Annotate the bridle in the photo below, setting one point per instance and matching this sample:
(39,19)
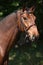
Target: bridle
(25,28)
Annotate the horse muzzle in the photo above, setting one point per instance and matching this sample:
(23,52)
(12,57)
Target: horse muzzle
(33,38)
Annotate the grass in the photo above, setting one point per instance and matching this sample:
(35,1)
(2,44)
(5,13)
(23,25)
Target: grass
(27,55)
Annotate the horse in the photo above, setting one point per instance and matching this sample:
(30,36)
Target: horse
(9,28)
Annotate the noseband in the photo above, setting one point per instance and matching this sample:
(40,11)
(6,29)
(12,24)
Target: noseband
(30,27)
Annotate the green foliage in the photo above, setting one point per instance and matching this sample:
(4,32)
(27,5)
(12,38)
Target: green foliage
(7,7)
(27,55)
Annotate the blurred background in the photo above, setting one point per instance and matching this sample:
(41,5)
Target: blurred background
(31,53)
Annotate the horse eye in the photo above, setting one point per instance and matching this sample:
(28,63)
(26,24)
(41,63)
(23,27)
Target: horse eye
(24,18)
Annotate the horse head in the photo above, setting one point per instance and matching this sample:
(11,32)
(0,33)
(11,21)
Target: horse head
(26,23)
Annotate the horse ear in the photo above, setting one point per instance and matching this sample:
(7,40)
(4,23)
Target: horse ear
(32,9)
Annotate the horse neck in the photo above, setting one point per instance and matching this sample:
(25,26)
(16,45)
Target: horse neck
(12,25)
(8,31)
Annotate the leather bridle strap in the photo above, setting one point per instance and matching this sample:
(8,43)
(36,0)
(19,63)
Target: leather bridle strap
(30,27)
(27,28)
